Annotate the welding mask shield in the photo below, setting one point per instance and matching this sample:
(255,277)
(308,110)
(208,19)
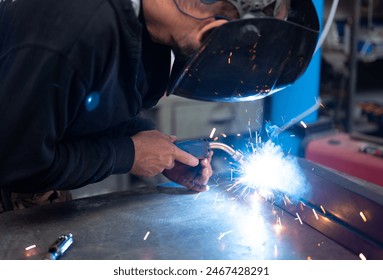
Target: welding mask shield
(249,59)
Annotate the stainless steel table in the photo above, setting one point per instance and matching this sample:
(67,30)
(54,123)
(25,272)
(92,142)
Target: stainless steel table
(170,222)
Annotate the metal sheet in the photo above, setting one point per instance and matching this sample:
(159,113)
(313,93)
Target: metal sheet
(347,209)
(177,224)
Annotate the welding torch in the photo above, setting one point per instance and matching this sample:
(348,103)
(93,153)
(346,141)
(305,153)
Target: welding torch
(200,148)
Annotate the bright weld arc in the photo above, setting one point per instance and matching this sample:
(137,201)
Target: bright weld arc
(273,156)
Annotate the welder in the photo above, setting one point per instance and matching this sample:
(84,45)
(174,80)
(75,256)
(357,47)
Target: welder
(75,76)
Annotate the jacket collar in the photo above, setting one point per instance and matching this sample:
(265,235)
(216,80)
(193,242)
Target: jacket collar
(136,6)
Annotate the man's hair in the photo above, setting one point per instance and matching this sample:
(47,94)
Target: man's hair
(220,8)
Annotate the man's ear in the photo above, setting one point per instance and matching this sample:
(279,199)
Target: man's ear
(202,33)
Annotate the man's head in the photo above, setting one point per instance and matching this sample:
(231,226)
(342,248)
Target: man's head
(242,49)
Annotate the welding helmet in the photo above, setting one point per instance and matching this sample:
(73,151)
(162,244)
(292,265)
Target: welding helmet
(250,57)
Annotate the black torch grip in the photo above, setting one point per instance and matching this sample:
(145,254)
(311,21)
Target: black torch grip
(199,148)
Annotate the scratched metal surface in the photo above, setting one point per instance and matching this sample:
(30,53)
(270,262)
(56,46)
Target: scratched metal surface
(177,224)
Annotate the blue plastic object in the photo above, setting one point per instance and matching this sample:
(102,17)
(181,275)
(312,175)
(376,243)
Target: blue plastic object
(200,148)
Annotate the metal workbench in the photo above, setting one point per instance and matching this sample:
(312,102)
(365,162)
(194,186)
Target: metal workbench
(170,222)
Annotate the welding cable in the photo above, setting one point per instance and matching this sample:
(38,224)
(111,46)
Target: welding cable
(328,24)
(297,119)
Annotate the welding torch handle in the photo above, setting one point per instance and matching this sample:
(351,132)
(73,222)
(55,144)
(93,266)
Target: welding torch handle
(200,148)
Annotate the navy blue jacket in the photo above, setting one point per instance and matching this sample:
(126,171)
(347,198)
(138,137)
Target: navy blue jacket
(74,76)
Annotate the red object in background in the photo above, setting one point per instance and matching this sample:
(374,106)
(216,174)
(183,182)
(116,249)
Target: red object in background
(340,152)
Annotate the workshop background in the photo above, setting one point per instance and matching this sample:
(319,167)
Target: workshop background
(345,133)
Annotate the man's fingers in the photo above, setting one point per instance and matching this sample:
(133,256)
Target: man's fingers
(185,158)
(172,138)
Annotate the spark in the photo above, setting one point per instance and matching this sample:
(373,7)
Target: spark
(229,59)
(303,124)
(222,235)
(30,247)
(146,235)
(224,135)
(324,211)
(362,257)
(309,258)
(275,250)
(215,200)
(363,216)
(31,251)
(301,205)
(278,226)
(197,195)
(287,200)
(216,138)
(315,214)
(212,132)
(299,218)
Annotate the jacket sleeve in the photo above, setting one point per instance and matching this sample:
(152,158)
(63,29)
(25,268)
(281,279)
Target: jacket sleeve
(37,104)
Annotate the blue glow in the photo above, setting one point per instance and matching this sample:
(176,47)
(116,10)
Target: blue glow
(92,101)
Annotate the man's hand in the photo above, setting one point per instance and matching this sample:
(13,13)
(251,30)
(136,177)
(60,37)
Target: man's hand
(194,178)
(155,152)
